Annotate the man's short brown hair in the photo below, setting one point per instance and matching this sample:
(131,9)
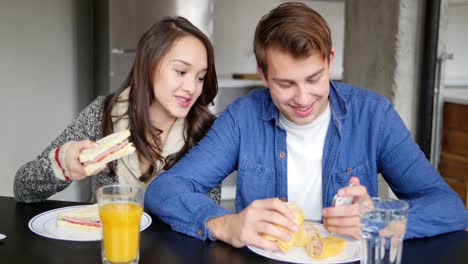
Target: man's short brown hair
(294,28)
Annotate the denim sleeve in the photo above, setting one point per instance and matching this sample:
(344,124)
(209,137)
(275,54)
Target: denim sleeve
(434,207)
(178,196)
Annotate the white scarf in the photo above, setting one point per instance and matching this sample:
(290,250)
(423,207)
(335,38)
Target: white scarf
(128,167)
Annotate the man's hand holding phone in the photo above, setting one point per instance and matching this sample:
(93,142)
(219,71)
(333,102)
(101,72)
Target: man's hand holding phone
(341,201)
(343,217)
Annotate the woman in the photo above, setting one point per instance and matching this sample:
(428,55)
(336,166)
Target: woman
(163,102)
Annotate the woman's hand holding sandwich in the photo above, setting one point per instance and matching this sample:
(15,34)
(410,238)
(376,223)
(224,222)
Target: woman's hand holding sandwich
(76,169)
(261,217)
(84,158)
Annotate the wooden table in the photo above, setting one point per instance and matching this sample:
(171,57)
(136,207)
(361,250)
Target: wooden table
(159,244)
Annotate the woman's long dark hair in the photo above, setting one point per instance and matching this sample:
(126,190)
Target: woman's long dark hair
(152,46)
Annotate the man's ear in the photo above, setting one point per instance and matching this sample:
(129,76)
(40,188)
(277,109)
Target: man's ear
(264,80)
(331,61)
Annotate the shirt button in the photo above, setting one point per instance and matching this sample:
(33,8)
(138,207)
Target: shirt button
(282,199)
(349,169)
(282,154)
(200,232)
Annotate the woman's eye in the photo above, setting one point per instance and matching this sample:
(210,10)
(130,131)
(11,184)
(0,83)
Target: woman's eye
(180,72)
(201,79)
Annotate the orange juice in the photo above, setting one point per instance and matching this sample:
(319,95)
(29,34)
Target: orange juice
(121,230)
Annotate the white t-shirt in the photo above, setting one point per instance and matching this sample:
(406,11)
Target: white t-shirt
(305,150)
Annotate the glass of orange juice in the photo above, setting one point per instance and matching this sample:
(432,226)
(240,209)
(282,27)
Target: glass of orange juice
(120,210)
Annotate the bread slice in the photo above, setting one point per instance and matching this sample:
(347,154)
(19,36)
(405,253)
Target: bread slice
(127,150)
(68,225)
(110,148)
(80,218)
(104,144)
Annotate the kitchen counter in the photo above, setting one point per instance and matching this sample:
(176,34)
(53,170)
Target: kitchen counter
(456,95)
(236,83)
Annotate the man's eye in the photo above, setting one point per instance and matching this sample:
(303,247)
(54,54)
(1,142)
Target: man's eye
(284,85)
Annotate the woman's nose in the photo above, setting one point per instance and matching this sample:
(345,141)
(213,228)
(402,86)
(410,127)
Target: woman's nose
(190,86)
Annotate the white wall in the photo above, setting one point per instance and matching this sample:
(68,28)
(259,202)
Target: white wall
(234,27)
(457,39)
(44,48)
(46,64)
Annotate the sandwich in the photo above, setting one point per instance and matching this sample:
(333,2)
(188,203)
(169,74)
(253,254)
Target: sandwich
(326,247)
(307,232)
(298,219)
(80,218)
(109,148)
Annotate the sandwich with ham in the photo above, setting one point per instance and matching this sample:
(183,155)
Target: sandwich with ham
(109,148)
(80,218)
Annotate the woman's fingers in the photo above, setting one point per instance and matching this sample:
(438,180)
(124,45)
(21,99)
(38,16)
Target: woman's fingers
(74,166)
(99,169)
(87,144)
(77,170)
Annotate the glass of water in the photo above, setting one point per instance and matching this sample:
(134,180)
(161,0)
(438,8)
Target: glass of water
(383,226)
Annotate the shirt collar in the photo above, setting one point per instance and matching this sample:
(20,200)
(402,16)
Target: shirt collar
(338,103)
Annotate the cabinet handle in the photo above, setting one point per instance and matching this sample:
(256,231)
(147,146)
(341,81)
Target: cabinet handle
(122,51)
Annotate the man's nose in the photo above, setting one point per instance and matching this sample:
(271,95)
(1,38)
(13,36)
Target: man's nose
(302,95)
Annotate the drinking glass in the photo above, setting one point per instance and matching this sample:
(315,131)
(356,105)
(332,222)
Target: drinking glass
(120,210)
(383,226)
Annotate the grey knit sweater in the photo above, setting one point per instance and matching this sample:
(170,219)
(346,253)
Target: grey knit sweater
(35,181)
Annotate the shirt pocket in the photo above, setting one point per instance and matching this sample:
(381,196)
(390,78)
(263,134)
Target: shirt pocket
(361,171)
(254,181)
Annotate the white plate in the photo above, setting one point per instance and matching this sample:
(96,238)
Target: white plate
(299,255)
(44,224)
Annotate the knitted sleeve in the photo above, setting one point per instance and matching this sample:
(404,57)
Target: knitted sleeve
(36,180)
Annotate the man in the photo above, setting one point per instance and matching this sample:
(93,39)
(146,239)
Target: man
(303,139)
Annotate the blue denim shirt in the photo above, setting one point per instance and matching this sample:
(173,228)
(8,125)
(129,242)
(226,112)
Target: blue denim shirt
(366,136)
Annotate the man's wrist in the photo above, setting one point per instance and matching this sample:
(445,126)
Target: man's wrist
(217,226)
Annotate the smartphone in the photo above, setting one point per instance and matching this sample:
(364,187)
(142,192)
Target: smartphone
(340,201)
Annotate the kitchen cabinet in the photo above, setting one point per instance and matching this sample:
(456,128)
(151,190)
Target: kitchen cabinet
(453,163)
